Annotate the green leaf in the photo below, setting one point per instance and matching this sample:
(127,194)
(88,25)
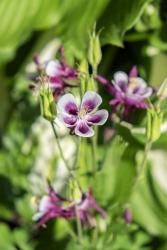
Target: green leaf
(19,19)
(114,181)
(149,204)
(120,16)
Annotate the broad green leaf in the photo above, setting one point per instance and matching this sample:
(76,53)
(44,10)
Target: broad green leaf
(120,16)
(149,204)
(113,183)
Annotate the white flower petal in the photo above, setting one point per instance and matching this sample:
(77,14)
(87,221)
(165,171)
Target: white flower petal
(44,204)
(52,68)
(82,129)
(67,105)
(91,100)
(120,77)
(98,118)
(68,120)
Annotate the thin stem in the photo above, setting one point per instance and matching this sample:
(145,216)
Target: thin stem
(75,164)
(79,226)
(78,220)
(140,171)
(94,72)
(80,88)
(59,147)
(143,163)
(93,147)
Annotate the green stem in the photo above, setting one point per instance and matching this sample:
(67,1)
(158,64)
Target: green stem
(143,163)
(93,147)
(79,226)
(59,147)
(75,164)
(140,171)
(78,221)
(94,72)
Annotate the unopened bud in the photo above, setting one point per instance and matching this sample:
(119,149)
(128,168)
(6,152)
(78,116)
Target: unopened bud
(94,51)
(154,121)
(162,92)
(47,105)
(127,216)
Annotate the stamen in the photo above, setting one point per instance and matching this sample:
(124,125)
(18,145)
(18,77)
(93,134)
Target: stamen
(132,83)
(82,112)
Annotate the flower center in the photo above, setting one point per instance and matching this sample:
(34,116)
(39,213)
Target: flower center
(82,112)
(132,83)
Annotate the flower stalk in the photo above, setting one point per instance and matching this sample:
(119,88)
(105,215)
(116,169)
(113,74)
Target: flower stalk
(60,149)
(143,163)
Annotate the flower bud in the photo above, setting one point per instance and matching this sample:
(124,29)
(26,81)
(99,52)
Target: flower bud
(162,92)
(47,105)
(94,51)
(75,193)
(154,121)
(127,216)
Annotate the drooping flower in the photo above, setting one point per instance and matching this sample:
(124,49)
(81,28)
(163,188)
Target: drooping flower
(80,119)
(84,208)
(60,75)
(52,206)
(130,90)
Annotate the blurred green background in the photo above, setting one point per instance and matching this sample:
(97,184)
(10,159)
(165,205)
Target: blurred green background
(134,32)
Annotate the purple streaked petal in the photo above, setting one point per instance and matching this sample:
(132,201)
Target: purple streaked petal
(82,129)
(120,82)
(102,80)
(67,104)
(68,120)
(69,72)
(56,212)
(98,118)
(140,82)
(136,102)
(148,92)
(56,80)
(114,102)
(133,72)
(89,202)
(55,196)
(91,100)
(140,94)
(52,68)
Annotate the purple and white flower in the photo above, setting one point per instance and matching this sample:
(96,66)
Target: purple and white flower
(130,90)
(58,73)
(80,119)
(84,208)
(50,207)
